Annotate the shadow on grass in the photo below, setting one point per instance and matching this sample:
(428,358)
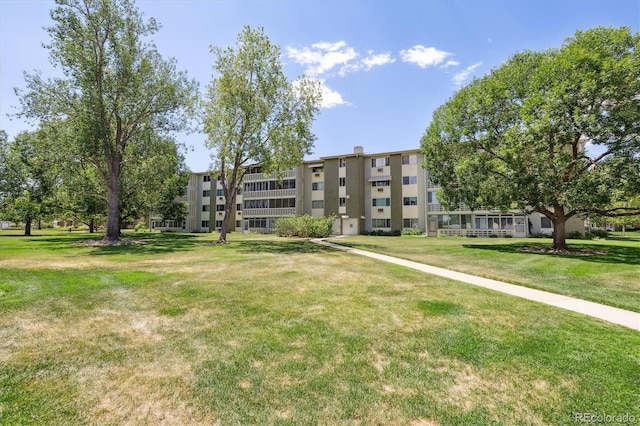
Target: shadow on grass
(143,244)
(614,254)
(280,247)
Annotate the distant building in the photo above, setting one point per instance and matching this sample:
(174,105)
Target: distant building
(366,192)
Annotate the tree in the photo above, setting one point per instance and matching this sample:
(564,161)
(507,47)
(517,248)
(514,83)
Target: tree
(516,138)
(116,89)
(254,114)
(28,180)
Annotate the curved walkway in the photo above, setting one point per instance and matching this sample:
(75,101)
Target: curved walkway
(608,313)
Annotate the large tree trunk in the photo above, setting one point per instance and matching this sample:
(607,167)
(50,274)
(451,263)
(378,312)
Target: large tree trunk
(27,227)
(113,210)
(91,225)
(559,233)
(228,208)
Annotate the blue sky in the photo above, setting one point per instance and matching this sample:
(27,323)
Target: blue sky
(386,65)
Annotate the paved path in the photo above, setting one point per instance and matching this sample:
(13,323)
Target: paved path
(597,310)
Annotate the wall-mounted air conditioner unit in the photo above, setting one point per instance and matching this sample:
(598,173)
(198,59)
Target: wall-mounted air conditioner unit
(380,189)
(380,169)
(380,210)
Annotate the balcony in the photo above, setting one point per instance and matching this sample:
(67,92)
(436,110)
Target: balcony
(475,232)
(262,176)
(272,193)
(284,211)
(440,208)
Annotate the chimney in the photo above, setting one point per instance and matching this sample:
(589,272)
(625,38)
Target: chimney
(358,150)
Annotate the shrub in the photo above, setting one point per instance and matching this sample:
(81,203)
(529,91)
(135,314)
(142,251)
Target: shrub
(140,227)
(304,226)
(411,232)
(540,235)
(600,233)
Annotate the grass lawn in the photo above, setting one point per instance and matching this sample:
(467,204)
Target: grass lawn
(280,331)
(612,278)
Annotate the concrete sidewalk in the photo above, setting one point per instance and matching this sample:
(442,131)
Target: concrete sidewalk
(596,310)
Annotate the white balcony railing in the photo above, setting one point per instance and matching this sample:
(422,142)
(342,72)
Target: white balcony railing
(440,208)
(261,176)
(474,232)
(283,211)
(272,193)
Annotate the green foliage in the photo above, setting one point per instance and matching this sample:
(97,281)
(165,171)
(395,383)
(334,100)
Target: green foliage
(116,95)
(254,114)
(304,226)
(29,180)
(515,138)
(412,232)
(383,233)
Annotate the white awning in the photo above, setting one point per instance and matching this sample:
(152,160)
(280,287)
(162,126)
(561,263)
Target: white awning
(379,178)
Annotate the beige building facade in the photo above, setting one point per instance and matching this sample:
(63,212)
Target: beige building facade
(364,192)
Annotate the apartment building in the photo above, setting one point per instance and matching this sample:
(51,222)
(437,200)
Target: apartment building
(365,192)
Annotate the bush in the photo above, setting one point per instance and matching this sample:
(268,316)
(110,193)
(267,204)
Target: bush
(304,226)
(411,232)
(600,233)
(540,235)
(382,233)
(140,227)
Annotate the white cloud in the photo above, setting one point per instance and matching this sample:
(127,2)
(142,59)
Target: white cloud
(424,56)
(321,58)
(463,75)
(330,98)
(376,60)
(451,63)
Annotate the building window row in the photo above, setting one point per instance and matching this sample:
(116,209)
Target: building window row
(381,223)
(206,178)
(379,202)
(270,203)
(317,204)
(342,162)
(317,186)
(342,181)
(206,193)
(205,223)
(270,185)
(205,207)
(410,223)
(380,183)
(410,201)
(380,162)
(409,180)
(219,207)
(342,201)
(410,159)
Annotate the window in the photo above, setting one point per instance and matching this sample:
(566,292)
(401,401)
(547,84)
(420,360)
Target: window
(432,198)
(317,186)
(218,224)
(410,223)
(220,192)
(380,183)
(378,202)
(342,162)
(342,181)
(206,178)
(342,201)
(409,159)
(205,207)
(206,193)
(205,223)
(380,162)
(317,204)
(545,222)
(409,180)
(317,169)
(410,201)
(238,206)
(219,207)
(381,223)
